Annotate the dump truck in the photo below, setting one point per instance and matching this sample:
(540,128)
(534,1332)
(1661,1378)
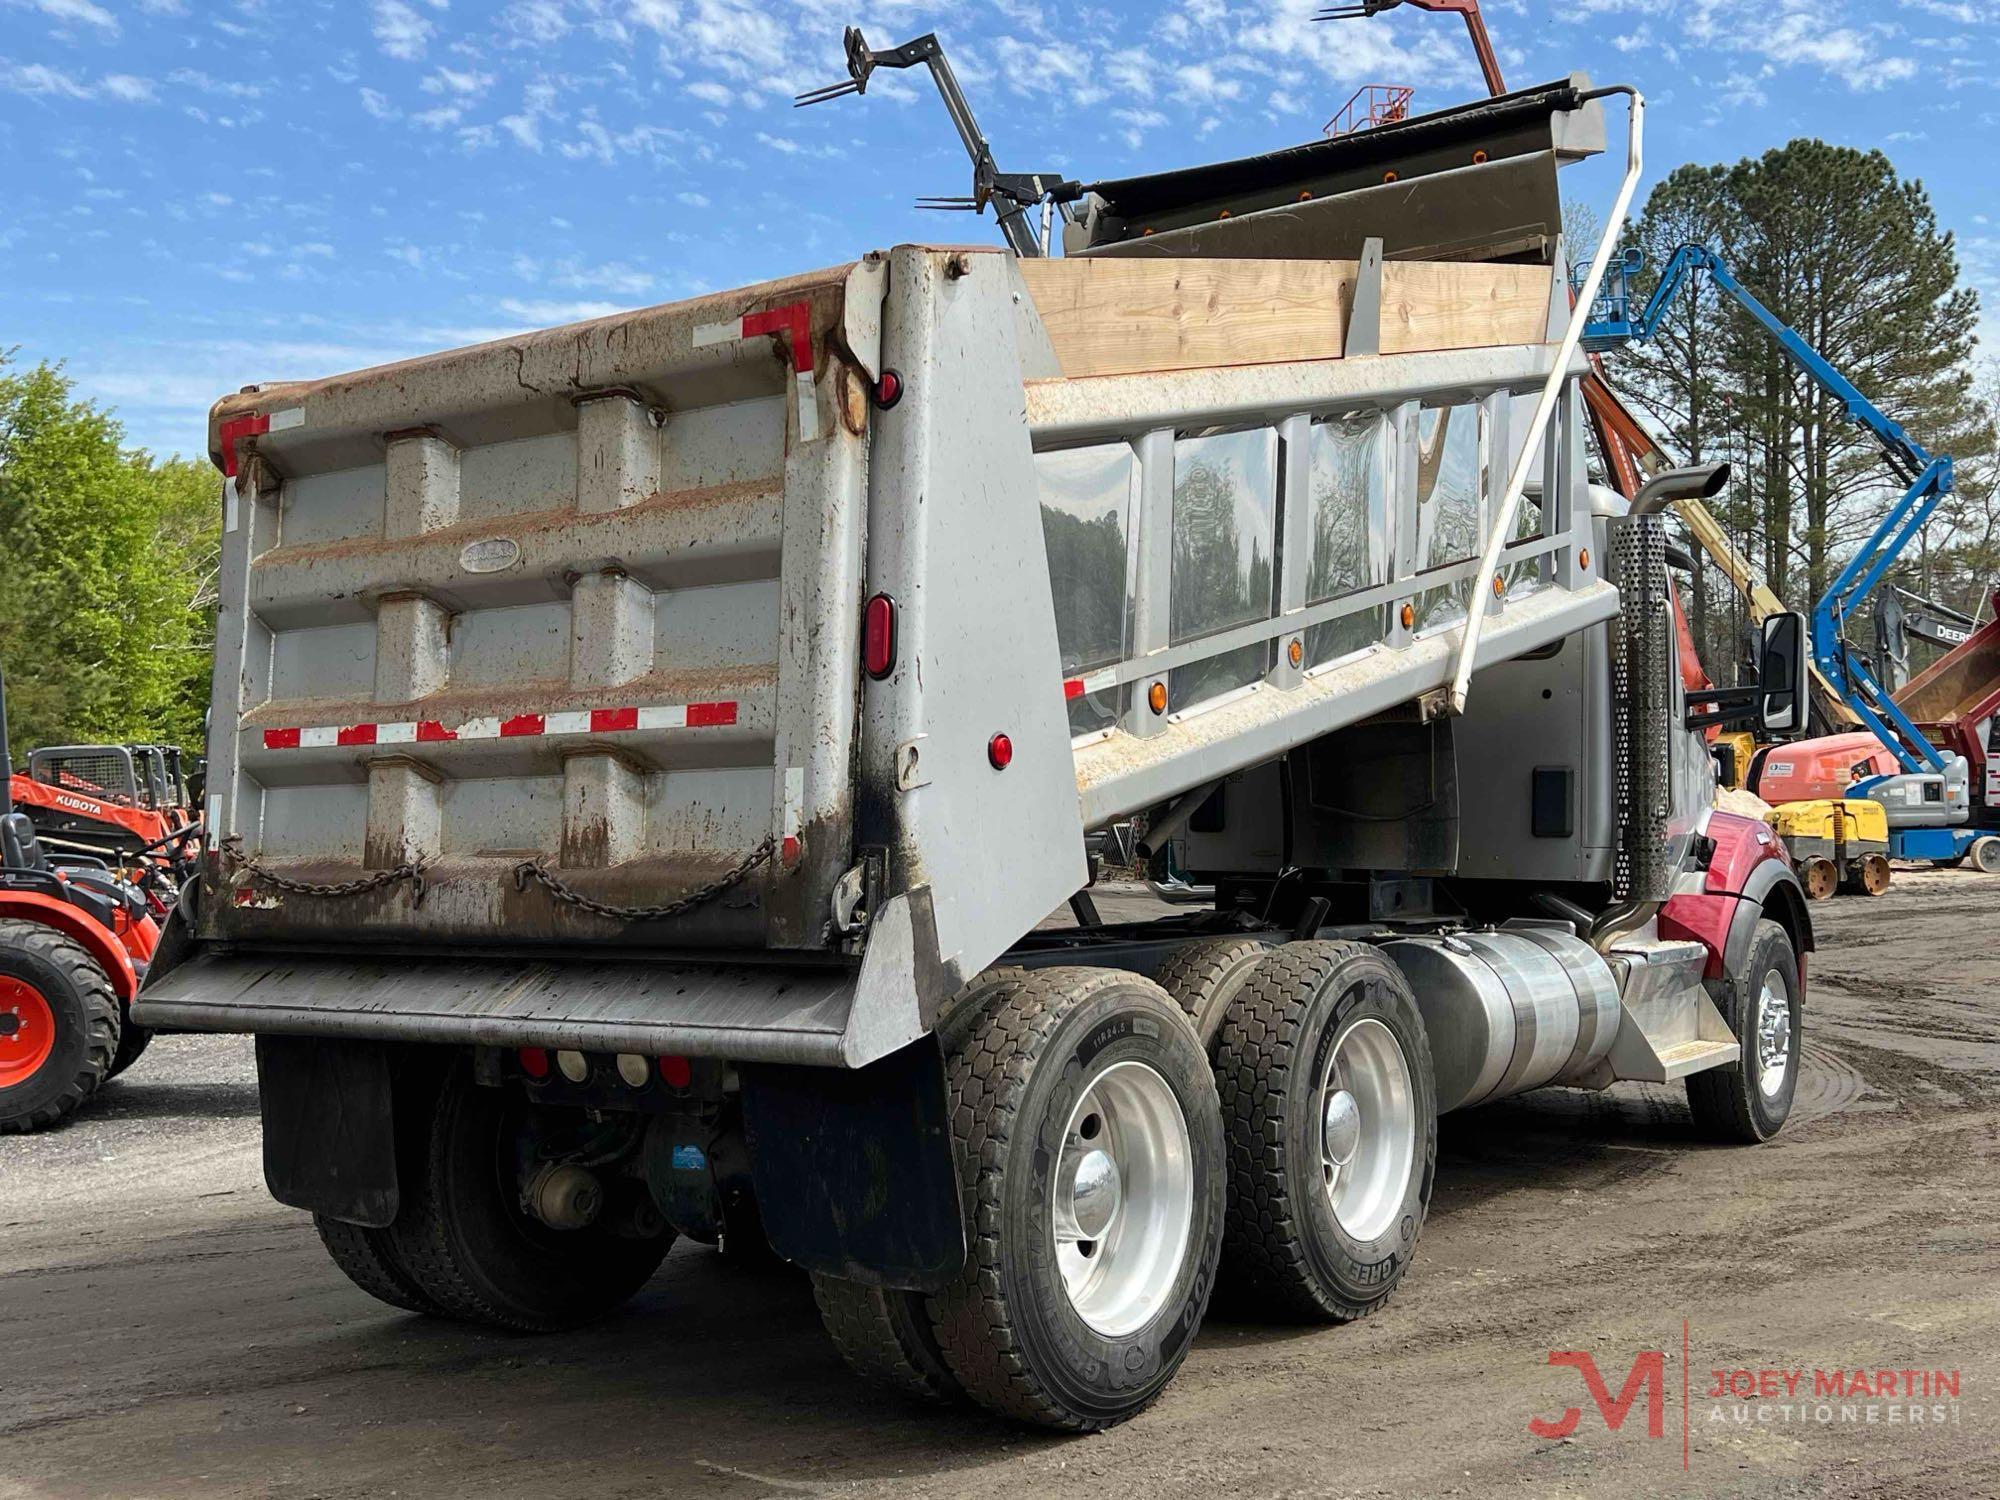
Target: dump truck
(647,754)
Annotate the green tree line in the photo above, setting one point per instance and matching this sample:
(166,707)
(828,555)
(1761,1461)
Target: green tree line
(1840,247)
(107,573)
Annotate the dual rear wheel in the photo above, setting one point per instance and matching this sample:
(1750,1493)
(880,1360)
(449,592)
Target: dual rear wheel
(1117,1165)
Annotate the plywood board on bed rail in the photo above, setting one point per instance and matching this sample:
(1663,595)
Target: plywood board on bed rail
(1121,316)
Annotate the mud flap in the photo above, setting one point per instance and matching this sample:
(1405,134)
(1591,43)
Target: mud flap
(329,1126)
(854,1169)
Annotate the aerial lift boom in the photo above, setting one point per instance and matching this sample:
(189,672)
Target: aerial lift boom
(1928,480)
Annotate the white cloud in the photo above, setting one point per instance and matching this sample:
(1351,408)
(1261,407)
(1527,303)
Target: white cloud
(64,12)
(378,105)
(128,89)
(711,92)
(693,200)
(400,31)
(612,276)
(409,255)
(466,85)
(540,314)
(1198,81)
(535,20)
(40,80)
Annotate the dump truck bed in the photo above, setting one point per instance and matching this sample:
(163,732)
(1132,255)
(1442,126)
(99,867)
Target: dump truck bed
(547,649)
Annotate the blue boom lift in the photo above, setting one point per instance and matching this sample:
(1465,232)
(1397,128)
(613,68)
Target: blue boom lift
(1932,795)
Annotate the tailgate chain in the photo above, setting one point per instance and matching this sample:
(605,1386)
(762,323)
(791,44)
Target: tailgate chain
(529,869)
(412,871)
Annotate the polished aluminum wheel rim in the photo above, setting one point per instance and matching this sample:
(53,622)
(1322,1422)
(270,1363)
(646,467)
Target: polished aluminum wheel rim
(1367,1129)
(1122,1202)
(1774,1035)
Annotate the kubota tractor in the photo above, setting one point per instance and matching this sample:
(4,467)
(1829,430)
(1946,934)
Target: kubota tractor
(124,805)
(75,940)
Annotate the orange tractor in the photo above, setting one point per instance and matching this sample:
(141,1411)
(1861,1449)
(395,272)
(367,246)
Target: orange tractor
(75,940)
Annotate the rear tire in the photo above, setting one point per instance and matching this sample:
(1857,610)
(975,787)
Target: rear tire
(1820,877)
(1984,855)
(1090,1146)
(1204,977)
(1331,1111)
(60,1021)
(368,1259)
(471,1248)
(885,1336)
(1748,1101)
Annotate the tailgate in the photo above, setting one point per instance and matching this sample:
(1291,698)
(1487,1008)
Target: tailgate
(521,639)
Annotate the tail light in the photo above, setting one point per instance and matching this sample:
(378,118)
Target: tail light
(878,637)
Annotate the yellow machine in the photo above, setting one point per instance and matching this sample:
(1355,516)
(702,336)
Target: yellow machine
(1732,752)
(1836,844)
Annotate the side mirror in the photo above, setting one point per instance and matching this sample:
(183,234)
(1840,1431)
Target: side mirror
(1781,675)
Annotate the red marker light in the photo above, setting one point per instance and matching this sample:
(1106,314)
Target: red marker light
(1000,751)
(888,390)
(534,1061)
(676,1072)
(878,637)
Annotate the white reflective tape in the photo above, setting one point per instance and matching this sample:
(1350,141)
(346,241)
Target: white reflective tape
(717,333)
(670,716)
(214,815)
(396,734)
(291,416)
(228,505)
(1097,682)
(316,739)
(479,729)
(566,723)
(808,407)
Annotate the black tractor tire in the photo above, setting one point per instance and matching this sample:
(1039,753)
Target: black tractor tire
(1007,1328)
(73,995)
(1285,1248)
(133,1039)
(885,1336)
(368,1258)
(1204,977)
(1731,1104)
(471,1248)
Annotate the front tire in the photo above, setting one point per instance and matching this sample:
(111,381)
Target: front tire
(59,1025)
(471,1248)
(1331,1111)
(1984,855)
(1090,1145)
(1749,1101)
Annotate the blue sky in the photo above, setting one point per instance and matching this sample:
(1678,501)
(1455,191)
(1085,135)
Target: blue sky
(202,193)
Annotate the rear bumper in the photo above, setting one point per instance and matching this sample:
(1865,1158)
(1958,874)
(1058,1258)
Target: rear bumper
(824,1017)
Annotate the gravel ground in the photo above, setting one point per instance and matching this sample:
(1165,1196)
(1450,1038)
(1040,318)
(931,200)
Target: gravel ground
(165,1329)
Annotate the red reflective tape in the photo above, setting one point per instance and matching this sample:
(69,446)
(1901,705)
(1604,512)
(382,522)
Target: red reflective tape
(611,720)
(356,734)
(1072,687)
(701,715)
(522,724)
(794,318)
(281,739)
(239,427)
(430,729)
(789,850)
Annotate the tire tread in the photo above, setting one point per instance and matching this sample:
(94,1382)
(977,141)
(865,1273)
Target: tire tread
(103,1020)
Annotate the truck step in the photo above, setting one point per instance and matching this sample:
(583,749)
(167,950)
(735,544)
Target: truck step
(1694,1057)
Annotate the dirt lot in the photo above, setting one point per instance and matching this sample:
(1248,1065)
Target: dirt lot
(165,1329)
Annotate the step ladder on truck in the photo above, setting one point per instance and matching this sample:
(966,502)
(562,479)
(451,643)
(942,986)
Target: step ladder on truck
(644,754)
(1928,800)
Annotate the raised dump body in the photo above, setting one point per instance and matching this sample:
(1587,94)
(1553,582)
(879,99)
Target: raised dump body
(555,644)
